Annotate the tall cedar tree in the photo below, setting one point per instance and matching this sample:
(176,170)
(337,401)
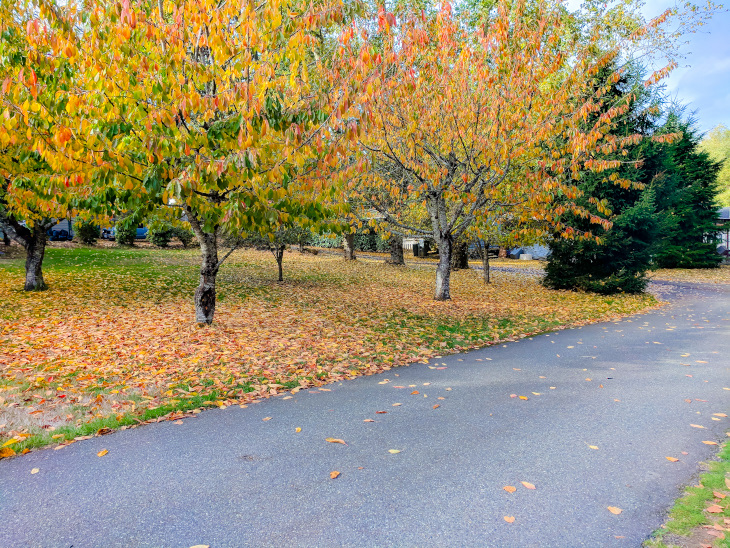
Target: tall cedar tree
(620,262)
(684,180)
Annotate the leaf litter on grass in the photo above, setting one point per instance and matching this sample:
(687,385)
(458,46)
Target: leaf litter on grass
(115,336)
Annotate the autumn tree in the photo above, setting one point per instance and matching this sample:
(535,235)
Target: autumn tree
(469,107)
(225,110)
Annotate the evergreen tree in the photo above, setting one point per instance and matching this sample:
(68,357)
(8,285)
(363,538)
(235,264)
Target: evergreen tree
(620,262)
(684,180)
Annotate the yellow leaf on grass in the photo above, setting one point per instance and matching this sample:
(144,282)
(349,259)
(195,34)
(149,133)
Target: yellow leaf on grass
(9,442)
(509,519)
(334,474)
(394,451)
(710,442)
(102,452)
(34,471)
(335,440)
(614,510)
(671,459)
(527,484)
(509,488)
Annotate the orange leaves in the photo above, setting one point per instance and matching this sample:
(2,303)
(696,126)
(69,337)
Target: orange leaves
(672,459)
(335,440)
(614,510)
(527,485)
(6,452)
(509,519)
(509,488)
(334,474)
(102,453)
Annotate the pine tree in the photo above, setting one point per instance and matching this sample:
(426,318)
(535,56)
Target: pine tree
(684,180)
(620,262)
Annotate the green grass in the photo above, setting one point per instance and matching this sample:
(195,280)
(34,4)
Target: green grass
(688,512)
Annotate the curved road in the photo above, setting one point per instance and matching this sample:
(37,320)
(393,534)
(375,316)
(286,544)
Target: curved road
(227,478)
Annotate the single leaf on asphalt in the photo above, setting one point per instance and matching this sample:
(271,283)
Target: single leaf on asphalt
(509,488)
(710,442)
(297,429)
(720,414)
(368,420)
(527,484)
(335,440)
(201,546)
(614,510)
(593,446)
(266,419)
(671,459)
(34,471)
(436,406)
(334,474)
(178,422)
(397,404)
(513,395)
(414,392)
(380,412)
(696,426)
(394,451)
(536,393)
(715,509)
(102,452)
(524,397)
(509,519)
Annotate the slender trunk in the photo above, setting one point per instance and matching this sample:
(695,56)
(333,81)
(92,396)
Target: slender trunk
(443,270)
(279,260)
(484,251)
(396,250)
(348,243)
(35,249)
(6,239)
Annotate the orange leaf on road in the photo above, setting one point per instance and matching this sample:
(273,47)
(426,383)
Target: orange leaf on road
(671,459)
(509,519)
(527,484)
(614,510)
(335,440)
(334,474)
(509,488)
(102,452)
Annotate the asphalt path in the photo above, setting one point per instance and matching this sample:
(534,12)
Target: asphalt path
(607,403)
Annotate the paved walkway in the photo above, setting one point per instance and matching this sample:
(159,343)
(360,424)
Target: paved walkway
(229,478)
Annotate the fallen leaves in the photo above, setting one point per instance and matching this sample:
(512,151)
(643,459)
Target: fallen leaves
(368,420)
(715,509)
(509,488)
(394,451)
(615,510)
(710,442)
(298,429)
(6,452)
(334,474)
(335,440)
(527,485)
(696,426)
(35,471)
(436,406)
(672,459)
(266,419)
(102,453)
(111,345)
(509,519)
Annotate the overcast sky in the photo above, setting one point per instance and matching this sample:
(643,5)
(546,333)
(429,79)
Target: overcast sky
(702,80)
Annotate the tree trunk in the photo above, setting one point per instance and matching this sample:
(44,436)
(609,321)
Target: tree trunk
(205,292)
(484,253)
(348,243)
(396,250)
(35,249)
(6,239)
(443,270)
(460,255)
(279,254)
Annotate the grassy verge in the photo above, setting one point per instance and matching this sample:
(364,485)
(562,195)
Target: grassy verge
(113,341)
(701,517)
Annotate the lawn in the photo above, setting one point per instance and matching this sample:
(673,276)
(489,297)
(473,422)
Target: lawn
(113,341)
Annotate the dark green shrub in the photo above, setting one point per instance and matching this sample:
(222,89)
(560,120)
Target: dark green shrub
(87,231)
(185,235)
(126,231)
(160,234)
